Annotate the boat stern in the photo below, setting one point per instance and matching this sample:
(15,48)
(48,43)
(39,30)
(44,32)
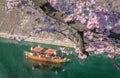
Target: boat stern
(66,60)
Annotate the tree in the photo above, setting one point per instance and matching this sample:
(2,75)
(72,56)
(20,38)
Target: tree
(99,24)
(94,23)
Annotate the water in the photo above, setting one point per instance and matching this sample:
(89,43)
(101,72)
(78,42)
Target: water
(13,64)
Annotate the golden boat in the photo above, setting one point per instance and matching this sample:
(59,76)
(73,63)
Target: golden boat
(42,58)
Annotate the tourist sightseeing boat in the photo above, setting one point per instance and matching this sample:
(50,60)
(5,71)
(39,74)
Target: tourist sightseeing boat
(48,56)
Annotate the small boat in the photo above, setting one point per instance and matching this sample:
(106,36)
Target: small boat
(43,58)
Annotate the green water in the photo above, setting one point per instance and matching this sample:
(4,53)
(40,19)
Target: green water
(13,64)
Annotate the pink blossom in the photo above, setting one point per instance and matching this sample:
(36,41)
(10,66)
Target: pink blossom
(100,47)
(90,48)
(82,56)
(81,18)
(88,35)
(77,49)
(109,49)
(80,4)
(92,21)
(93,2)
(53,2)
(69,18)
(99,50)
(88,3)
(111,55)
(62,49)
(77,10)
(116,28)
(10,5)
(101,11)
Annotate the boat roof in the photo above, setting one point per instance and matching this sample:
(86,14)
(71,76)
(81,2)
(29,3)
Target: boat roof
(37,49)
(50,51)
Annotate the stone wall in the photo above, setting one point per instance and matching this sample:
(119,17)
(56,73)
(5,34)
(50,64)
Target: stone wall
(17,22)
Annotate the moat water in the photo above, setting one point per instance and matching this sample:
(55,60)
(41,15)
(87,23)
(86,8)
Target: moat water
(13,64)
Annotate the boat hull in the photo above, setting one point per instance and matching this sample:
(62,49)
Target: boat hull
(43,59)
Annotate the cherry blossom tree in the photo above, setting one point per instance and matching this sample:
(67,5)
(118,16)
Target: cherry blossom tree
(96,25)
(87,17)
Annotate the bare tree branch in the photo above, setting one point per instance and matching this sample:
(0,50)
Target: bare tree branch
(52,12)
(55,14)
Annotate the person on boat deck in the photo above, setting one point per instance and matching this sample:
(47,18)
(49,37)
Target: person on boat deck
(47,56)
(34,54)
(62,56)
(40,53)
(43,56)
(52,55)
(56,56)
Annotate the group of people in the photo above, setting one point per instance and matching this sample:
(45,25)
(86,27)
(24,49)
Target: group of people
(49,53)
(48,56)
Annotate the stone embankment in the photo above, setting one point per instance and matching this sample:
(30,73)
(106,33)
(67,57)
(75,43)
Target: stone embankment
(17,24)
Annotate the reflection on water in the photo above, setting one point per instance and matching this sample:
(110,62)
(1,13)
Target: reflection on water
(116,62)
(116,66)
(47,66)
